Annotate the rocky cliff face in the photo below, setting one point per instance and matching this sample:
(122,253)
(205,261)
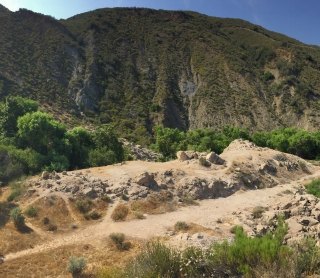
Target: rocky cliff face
(139,67)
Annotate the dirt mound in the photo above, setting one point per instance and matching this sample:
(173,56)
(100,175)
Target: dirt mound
(245,166)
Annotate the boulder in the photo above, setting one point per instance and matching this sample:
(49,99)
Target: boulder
(182,156)
(147,180)
(214,158)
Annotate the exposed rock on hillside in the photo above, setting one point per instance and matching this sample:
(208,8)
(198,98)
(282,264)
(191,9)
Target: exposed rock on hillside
(140,67)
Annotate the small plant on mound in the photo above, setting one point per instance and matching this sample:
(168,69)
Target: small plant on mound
(84,205)
(257,212)
(31,211)
(52,227)
(120,212)
(94,215)
(119,240)
(181,226)
(314,188)
(76,265)
(18,218)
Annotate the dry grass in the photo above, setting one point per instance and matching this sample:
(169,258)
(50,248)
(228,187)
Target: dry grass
(12,240)
(54,262)
(120,212)
(55,209)
(156,203)
(98,206)
(193,228)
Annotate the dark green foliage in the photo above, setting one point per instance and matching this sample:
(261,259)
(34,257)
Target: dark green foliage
(41,132)
(10,110)
(314,188)
(169,141)
(81,142)
(245,253)
(107,142)
(16,162)
(107,148)
(291,140)
(42,143)
(305,144)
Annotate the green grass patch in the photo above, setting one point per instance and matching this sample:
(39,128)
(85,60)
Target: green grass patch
(314,188)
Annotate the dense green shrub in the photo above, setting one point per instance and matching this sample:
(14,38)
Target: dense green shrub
(81,142)
(42,133)
(106,140)
(10,110)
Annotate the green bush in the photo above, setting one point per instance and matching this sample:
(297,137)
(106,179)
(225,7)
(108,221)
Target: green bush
(157,260)
(31,211)
(18,218)
(245,253)
(76,265)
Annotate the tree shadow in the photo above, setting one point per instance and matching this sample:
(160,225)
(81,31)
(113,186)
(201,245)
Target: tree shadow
(24,229)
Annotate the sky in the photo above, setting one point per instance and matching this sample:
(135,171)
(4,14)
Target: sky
(296,18)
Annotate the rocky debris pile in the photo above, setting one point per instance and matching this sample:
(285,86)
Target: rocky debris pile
(140,153)
(241,166)
(301,212)
(209,158)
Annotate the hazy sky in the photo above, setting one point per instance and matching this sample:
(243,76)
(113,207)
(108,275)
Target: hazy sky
(299,19)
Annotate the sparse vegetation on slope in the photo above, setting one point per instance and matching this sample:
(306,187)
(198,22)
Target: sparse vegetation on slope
(137,68)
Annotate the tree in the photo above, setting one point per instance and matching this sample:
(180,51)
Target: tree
(105,140)
(11,110)
(42,133)
(169,141)
(81,143)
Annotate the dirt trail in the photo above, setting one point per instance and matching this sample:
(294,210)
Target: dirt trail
(206,214)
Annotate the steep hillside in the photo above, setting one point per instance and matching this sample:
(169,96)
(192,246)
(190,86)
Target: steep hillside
(141,67)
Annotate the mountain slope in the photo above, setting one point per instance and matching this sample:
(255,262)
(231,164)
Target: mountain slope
(141,67)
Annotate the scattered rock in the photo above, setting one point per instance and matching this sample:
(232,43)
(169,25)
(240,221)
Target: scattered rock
(215,159)
(182,156)
(45,175)
(147,180)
